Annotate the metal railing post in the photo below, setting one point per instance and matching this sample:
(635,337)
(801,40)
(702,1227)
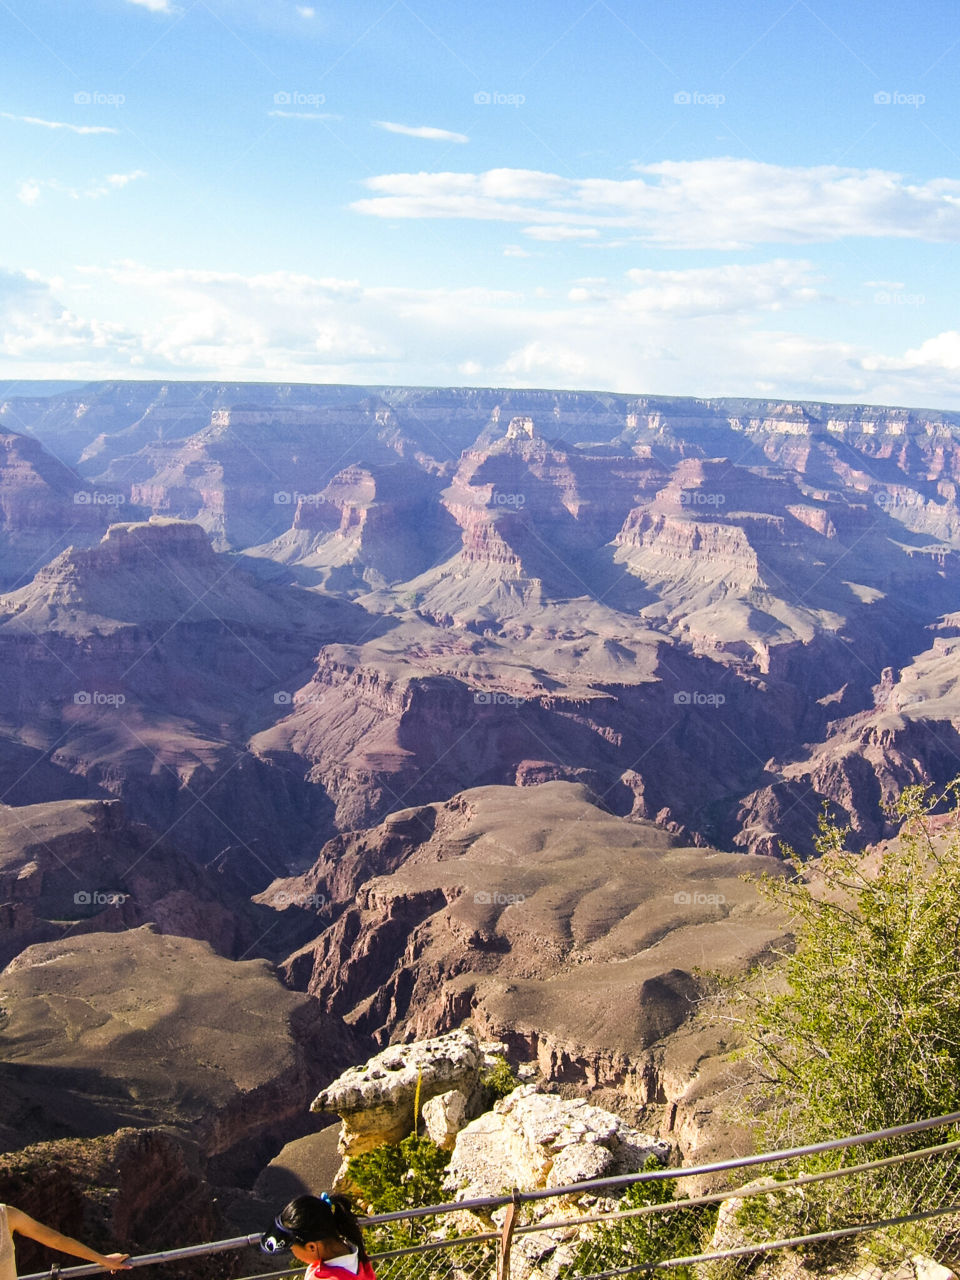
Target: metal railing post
(506,1236)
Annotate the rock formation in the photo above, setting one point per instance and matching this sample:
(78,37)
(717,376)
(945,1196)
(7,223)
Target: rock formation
(375,1101)
(444,1116)
(547,577)
(139,1190)
(136,669)
(444,700)
(531,1140)
(43,505)
(369,527)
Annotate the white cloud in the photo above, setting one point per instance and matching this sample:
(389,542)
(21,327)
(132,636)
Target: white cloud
(703,331)
(155,6)
(421,131)
(718,204)
(305,11)
(122,179)
(60,124)
(30,190)
(561,233)
(34,326)
(941,353)
(701,291)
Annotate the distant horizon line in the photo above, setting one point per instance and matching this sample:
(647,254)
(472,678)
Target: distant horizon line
(76,384)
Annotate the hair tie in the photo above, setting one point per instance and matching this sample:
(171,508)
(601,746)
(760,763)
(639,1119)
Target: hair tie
(326,1200)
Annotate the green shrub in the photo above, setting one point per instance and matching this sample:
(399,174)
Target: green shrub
(498,1081)
(404,1175)
(858,1027)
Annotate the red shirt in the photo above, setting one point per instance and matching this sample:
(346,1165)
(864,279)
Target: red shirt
(324,1271)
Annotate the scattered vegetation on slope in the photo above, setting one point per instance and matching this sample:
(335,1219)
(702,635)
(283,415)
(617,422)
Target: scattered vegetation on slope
(649,1237)
(498,1080)
(858,1028)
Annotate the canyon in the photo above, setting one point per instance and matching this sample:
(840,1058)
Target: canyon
(382,710)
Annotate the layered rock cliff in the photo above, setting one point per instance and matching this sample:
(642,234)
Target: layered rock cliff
(136,669)
(74,867)
(571,551)
(137,1191)
(44,506)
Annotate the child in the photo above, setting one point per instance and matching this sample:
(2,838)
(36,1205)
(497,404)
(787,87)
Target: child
(322,1233)
(12,1219)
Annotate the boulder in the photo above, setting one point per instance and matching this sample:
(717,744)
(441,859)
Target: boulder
(532,1140)
(919,1267)
(376,1101)
(444,1116)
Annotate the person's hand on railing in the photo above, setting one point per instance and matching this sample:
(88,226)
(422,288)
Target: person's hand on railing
(115,1261)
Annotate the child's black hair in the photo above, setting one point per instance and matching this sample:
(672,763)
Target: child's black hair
(320,1217)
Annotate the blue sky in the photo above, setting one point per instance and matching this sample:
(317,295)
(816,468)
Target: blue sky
(743,198)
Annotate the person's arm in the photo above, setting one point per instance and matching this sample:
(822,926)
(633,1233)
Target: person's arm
(24,1225)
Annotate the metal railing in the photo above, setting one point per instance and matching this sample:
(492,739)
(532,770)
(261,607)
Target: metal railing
(872,1214)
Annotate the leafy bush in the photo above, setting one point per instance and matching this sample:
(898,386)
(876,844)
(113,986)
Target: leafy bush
(405,1175)
(498,1081)
(858,1029)
(864,1030)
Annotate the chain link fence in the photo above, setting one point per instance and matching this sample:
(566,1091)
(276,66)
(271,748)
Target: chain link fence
(864,1208)
(881,1206)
